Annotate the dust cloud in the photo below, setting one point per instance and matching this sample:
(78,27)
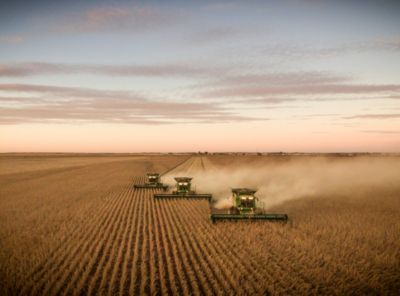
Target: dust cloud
(280,181)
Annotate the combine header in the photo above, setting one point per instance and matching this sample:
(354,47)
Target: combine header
(245,208)
(153,181)
(183,190)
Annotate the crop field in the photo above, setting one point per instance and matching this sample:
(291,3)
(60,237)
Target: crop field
(75,225)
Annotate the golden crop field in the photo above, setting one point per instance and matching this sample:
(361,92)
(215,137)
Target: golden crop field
(75,225)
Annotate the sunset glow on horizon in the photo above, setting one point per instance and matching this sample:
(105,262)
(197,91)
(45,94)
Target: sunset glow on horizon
(151,76)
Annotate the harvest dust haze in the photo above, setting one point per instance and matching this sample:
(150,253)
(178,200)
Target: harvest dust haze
(280,181)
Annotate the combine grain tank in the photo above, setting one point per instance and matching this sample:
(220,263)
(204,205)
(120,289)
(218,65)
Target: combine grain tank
(183,189)
(153,181)
(244,207)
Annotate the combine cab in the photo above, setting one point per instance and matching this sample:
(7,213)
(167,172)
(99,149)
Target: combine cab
(245,208)
(183,190)
(153,181)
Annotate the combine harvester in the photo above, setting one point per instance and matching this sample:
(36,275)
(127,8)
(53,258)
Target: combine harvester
(245,208)
(153,181)
(183,189)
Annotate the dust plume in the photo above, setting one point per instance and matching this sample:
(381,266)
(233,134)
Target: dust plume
(278,181)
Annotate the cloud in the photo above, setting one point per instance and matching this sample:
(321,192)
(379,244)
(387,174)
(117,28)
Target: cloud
(280,79)
(305,89)
(381,132)
(374,116)
(222,6)
(11,39)
(162,70)
(120,18)
(68,104)
(268,101)
(293,86)
(211,35)
(294,52)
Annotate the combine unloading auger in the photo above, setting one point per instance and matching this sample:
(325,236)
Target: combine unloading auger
(183,189)
(153,181)
(245,208)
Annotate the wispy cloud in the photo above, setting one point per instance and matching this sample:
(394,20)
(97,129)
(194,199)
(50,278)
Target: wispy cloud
(287,87)
(68,104)
(316,52)
(273,100)
(11,39)
(262,91)
(222,6)
(282,85)
(279,79)
(374,116)
(122,18)
(211,35)
(37,68)
(381,132)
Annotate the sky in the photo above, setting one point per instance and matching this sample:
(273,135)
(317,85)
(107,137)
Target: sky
(181,76)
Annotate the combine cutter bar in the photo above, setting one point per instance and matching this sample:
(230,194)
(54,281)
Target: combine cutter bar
(190,196)
(163,187)
(270,217)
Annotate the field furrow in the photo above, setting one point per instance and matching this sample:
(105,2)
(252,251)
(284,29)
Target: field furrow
(177,252)
(224,258)
(59,254)
(191,263)
(94,250)
(74,249)
(134,278)
(211,268)
(126,261)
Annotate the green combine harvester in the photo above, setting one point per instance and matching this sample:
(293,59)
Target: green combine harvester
(245,208)
(153,181)
(183,189)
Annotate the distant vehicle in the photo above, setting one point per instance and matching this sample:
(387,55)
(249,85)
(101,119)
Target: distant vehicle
(183,189)
(153,181)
